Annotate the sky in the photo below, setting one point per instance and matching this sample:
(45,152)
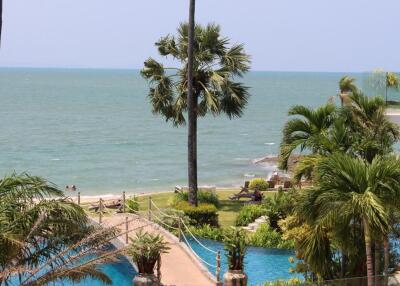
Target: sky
(280,35)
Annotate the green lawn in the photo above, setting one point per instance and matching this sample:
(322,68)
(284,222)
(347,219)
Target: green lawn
(227,212)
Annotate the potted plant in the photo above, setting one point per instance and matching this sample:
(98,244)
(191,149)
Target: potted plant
(235,247)
(145,250)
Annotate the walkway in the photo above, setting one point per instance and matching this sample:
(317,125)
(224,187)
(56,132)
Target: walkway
(179,266)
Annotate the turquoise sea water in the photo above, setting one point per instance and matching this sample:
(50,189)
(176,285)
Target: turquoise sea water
(95,129)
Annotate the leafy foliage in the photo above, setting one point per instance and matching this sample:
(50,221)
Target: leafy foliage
(205,197)
(269,238)
(200,215)
(208,232)
(248,214)
(235,246)
(46,239)
(145,249)
(132,205)
(356,183)
(278,207)
(258,184)
(216,65)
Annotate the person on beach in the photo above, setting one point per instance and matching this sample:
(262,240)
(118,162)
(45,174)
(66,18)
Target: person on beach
(70,188)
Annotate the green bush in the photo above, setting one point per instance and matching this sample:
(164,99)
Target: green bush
(170,220)
(248,214)
(278,207)
(235,247)
(269,238)
(205,197)
(259,184)
(209,232)
(132,205)
(200,215)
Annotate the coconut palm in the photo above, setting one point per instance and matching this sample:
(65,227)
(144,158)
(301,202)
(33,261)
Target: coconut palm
(44,238)
(346,86)
(351,189)
(305,130)
(216,65)
(374,132)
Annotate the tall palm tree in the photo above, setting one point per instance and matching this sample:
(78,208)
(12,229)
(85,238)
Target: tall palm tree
(352,189)
(346,86)
(305,130)
(373,132)
(216,66)
(192,110)
(43,238)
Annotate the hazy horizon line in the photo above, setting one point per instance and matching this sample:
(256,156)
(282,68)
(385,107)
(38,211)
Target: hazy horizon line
(138,69)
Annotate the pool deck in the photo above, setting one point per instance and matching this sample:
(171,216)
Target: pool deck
(179,266)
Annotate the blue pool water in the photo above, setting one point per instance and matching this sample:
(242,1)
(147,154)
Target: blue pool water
(261,264)
(120,272)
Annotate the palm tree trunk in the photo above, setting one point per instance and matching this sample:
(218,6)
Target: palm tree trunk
(378,248)
(386,258)
(343,264)
(368,252)
(192,113)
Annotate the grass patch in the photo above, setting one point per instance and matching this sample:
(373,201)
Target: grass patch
(226,213)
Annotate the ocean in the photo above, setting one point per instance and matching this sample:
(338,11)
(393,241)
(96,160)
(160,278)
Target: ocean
(95,129)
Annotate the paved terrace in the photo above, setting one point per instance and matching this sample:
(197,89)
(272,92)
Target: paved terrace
(178,267)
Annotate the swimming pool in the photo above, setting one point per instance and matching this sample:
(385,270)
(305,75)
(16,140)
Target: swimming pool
(120,272)
(261,264)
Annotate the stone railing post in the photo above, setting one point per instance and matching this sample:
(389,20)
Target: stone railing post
(100,210)
(149,210)
(123,201)
(218,269)
(126,230)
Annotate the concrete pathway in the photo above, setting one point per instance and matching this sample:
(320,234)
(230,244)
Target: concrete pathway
(252,227)
(179,266)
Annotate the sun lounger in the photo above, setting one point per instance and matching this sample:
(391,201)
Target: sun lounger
(116,205)
(244,192)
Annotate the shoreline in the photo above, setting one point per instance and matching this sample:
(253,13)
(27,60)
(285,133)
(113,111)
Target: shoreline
(95,198)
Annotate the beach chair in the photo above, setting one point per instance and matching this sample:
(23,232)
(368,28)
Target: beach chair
(244,192)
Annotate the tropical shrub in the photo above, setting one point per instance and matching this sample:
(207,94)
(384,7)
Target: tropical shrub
(259,184)
(132,205)
(170,220)
(248,214)
(235,246)
(208,232)
(269,238)
(278,207)
(200,215)
(145,249)
(205,197)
